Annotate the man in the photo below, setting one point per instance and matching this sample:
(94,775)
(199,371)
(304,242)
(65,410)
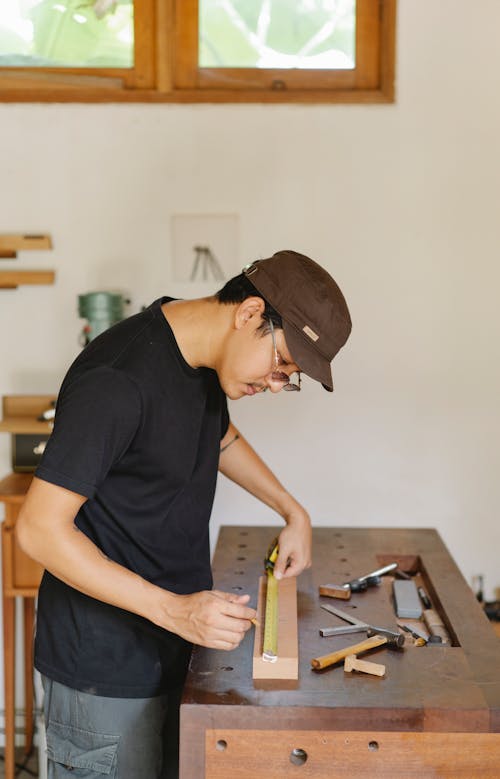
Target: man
(118,510)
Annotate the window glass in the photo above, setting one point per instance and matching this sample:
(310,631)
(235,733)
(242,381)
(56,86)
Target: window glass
(307,34)
(67,33)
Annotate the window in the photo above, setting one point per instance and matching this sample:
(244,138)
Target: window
(197,50)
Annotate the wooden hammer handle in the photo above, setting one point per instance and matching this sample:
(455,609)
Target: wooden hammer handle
(325,660)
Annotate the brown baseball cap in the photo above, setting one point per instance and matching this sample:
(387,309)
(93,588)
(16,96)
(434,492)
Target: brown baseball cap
(316,320)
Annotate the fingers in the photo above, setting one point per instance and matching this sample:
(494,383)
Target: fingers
(230,596)
(214,619)
(232,619)
(235,605)
(294,547)
(290,564)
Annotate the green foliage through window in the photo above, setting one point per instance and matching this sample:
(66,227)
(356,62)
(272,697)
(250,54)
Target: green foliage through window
(306,34)
(67,33)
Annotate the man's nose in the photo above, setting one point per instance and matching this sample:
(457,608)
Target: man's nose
(273,385)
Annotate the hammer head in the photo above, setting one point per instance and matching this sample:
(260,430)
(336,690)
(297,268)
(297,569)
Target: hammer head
(395,640)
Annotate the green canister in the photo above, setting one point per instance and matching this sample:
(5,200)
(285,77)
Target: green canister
(101,310)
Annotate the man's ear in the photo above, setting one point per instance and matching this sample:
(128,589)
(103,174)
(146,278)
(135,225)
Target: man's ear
(251,308)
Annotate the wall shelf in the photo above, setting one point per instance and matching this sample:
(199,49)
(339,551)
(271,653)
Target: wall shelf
(11,244)
(21,412)
(11,279)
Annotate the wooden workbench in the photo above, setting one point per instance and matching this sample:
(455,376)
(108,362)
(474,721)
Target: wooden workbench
(435,714)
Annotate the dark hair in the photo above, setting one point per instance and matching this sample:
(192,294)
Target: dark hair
(237,289)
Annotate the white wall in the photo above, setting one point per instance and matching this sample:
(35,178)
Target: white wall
(400,202)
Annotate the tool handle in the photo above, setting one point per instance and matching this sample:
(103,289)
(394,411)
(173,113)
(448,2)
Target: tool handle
(342,591)
(325,660)
(435,625)
(358,585)
(424,598)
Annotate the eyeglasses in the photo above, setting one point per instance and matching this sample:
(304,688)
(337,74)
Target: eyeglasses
(278,375)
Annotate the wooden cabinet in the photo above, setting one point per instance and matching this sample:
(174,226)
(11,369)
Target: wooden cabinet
(20,578)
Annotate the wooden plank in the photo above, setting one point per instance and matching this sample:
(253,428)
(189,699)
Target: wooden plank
(327,755)
(352,663)
(22,575)
(13,488)
(287,664)
(25,405)
(12,279)
(165,37)
(18,242)
(24,426)
(43,94)
(21,412)
(143,72)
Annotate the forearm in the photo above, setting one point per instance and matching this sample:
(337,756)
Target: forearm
(241,463)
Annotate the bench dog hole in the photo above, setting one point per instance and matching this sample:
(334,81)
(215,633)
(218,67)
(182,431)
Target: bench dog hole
(298,756)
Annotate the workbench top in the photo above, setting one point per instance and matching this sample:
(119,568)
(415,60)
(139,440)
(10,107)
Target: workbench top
(430,688)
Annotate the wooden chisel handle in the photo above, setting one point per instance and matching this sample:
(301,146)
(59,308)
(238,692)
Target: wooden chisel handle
(435,625)
(325,660)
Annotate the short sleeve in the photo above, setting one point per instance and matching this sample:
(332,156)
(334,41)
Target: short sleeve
(97,416)
(224,418)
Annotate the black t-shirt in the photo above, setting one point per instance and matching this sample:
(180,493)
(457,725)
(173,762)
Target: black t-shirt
(137,431)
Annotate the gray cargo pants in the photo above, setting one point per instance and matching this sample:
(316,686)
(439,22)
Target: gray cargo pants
(91,737)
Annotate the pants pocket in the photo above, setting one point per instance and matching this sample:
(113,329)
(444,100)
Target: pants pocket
(74,753)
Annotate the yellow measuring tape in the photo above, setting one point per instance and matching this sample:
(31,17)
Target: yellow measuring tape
(270,644)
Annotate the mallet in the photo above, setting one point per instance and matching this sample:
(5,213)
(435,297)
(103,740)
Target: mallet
(388,637)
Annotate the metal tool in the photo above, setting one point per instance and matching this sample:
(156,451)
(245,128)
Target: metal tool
(415,632)
(270,644)
(421,639)
(361,583)
(388,637)
(356,626)
(424,598)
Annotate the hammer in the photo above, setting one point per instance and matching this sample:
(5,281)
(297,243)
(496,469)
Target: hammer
(391,639)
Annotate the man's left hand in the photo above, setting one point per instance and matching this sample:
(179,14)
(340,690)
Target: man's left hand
(295,541)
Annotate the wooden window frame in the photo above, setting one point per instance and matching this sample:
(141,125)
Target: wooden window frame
(166,70)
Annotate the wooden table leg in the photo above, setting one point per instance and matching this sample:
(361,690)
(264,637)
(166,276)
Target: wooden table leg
(9,642)
(29,617)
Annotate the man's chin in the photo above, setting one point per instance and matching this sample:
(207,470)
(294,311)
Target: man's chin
(243,391)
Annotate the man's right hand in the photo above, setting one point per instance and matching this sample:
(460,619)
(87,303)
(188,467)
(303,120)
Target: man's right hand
(214,619)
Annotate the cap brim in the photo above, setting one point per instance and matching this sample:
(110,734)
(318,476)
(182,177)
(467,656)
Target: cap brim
(306,357)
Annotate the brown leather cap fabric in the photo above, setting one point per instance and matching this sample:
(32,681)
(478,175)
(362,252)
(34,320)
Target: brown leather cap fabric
(316,320)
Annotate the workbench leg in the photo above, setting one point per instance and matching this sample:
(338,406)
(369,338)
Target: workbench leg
(9,643)
(29,617)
